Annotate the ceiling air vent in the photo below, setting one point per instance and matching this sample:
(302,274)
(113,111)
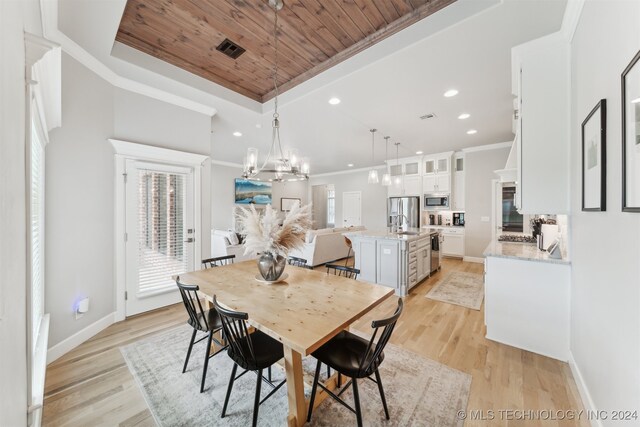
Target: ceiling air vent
(428,116)
(230,49)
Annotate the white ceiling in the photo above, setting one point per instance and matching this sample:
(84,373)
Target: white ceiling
(466,46)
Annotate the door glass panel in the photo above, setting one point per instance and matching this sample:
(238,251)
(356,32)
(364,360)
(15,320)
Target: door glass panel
(395,170)
(162,250)
(442,165)
(430,166)
(411,168)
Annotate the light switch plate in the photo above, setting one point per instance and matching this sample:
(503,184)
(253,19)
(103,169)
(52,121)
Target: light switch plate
(386,251)
(484,219)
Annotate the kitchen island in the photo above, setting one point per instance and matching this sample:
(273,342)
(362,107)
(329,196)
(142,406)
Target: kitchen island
(399,260)
(527,296)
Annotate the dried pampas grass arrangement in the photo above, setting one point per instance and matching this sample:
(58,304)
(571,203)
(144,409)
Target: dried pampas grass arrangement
(263,232)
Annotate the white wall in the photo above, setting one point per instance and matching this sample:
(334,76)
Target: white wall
(479,167)
(374,197)
(13,328)
(605,312)
(79,203)
(138,118)
(79,179)
(223,194)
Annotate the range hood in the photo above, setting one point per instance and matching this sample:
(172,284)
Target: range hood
(510,171)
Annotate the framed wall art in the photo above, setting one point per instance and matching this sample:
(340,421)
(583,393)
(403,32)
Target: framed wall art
(631,136)
(594,159)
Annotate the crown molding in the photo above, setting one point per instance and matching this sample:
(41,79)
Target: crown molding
(571,18)
(344,172)
(487,147)
(227,164)
(49,13)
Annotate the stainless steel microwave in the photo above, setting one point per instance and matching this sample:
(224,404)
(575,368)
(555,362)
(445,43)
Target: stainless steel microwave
(435,201)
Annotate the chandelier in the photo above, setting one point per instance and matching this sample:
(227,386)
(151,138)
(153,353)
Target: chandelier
(278,166)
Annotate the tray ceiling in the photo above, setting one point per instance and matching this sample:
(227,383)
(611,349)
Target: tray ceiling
(314,35)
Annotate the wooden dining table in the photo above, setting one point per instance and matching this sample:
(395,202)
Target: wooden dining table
(303,312)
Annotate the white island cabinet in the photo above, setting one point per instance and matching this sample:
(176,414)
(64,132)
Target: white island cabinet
(391,259)
(527,299)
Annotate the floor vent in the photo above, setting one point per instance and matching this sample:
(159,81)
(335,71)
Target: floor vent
(230,49)
(428,116)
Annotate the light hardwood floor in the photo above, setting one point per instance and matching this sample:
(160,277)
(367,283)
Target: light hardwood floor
(91,385)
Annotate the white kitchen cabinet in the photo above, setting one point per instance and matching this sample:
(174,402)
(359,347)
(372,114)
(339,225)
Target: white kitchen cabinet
(453,242)
(412,186)
(527,305)
(437,163)
(540,80)
(438,183)
(458,192)
(365,251)
(412,167)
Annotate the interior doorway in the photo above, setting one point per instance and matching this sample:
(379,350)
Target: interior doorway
(351,208)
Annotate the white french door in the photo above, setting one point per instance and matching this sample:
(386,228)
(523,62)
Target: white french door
(160,233)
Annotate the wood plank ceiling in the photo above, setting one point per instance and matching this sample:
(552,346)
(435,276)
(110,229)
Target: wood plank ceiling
(313,36)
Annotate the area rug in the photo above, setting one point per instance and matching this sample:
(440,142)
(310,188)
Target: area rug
(459,288)
(419,391)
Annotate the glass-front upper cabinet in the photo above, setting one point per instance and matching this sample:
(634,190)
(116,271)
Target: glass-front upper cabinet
(412,168)
(443,165)
(430,166)
(395,170)
(459,164)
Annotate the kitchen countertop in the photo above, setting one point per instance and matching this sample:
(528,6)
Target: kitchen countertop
(522,251)
(387,234)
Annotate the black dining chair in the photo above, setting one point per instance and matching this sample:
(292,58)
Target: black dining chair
(207,321)
(252,352)
(218,261)
(297,262)
(357,358)
(341,270)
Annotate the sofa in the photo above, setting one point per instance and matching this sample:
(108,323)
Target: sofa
(324,245)
(227,243)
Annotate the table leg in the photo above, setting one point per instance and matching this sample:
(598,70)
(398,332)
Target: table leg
(295,388)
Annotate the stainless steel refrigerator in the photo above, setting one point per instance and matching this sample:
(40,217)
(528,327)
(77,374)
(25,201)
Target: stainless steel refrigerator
(408,207)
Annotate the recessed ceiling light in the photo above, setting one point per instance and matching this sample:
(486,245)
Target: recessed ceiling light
(464,116)
(350,165)
(450,93)
(334,101)
(635,101)
(419,152)
(236,133)
(471,131)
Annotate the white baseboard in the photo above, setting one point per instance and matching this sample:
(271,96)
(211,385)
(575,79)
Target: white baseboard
(475,259)
(79,337)
(587,401)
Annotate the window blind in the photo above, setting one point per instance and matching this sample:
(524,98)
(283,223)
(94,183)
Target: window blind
(37,233)
(161,230)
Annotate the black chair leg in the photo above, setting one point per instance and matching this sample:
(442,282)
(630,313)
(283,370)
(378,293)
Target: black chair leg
(356,398)
(186,361)
(226,398)
(328,371)
(313,390)
(206,361)
(339,380)
(256,404)
(384,401)
(269,373)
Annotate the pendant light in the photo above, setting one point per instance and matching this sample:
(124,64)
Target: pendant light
(386,177)
(278,166)
(373,173)
(398,179)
